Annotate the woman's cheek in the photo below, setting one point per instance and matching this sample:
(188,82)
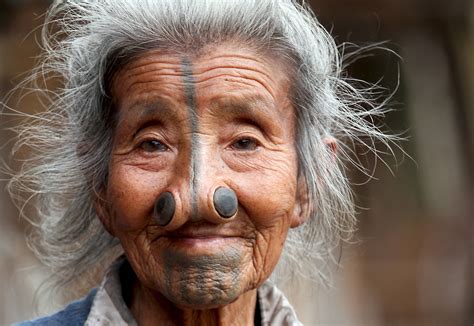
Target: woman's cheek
(132,192)
(267,196)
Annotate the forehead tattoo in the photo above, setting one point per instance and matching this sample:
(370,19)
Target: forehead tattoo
(190,94)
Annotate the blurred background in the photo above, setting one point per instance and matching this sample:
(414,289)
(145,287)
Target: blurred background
(413,262)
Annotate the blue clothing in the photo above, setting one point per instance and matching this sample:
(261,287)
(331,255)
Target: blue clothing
(74,314)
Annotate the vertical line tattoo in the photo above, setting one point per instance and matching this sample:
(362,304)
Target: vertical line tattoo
(190,93)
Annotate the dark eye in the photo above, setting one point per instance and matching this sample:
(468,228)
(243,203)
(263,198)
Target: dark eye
(245,144)
(153,146)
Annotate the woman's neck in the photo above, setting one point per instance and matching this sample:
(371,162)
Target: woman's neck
(151,308)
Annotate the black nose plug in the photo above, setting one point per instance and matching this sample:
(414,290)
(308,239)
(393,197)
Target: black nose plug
(225,202)
(164,209)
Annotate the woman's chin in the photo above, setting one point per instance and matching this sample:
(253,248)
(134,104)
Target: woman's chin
(204,297)
(204,305)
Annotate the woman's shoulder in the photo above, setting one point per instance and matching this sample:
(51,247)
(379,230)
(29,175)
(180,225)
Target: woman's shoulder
(75,313)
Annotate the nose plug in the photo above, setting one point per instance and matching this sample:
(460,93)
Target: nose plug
(163,211)
(224,200)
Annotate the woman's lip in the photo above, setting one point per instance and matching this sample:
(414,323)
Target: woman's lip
(205,233)
(208,243)
(199,236)
(202,233)
(210,238)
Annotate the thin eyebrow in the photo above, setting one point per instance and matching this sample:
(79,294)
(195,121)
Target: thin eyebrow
(148,112)
(153,109)
(254,108)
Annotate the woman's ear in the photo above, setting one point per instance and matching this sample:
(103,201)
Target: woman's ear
(302,210)
(331,144)
(101,209)
(304,206)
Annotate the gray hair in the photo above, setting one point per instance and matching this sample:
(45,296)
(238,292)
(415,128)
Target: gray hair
(85,42)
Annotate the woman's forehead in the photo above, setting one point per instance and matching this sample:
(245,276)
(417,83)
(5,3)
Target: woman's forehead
(226,76)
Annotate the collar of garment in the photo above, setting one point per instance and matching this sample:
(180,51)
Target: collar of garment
(109,308)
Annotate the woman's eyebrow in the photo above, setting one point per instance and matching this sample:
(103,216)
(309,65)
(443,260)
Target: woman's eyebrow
(145,110)
(253,107)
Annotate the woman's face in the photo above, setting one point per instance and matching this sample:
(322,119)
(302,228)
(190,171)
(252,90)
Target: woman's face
(188,125)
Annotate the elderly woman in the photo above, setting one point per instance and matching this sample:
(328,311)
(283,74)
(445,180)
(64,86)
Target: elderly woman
(189,138)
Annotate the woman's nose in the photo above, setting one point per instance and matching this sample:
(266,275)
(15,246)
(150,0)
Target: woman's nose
(217,205)
(206,194)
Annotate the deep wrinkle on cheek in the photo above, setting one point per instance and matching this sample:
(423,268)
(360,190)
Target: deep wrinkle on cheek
(190,94)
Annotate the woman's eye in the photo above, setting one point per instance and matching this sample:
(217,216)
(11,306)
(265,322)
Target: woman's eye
(245,144)
(153,146)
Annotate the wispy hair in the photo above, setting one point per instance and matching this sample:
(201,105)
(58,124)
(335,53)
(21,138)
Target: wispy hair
(86,42)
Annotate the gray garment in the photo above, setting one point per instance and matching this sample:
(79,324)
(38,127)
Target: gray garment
(109,308)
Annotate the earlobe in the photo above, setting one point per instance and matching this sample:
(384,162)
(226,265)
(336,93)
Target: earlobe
(302,210)
(100,205)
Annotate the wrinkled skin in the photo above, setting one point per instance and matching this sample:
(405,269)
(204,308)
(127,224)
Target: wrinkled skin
(187,125)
